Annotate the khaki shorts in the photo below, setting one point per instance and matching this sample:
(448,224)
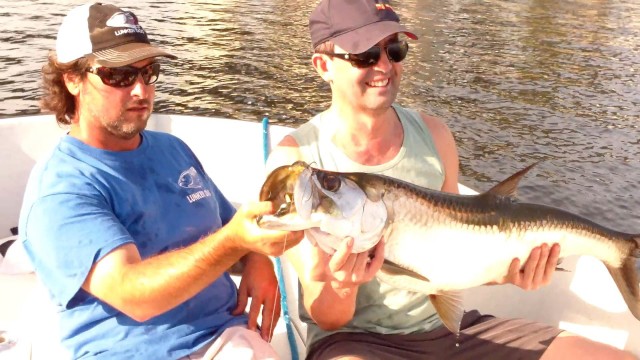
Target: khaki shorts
(235,343)
(482,337)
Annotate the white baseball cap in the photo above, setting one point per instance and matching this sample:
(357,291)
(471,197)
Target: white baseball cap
(112,36)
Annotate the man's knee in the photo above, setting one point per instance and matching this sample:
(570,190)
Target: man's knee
(569,346)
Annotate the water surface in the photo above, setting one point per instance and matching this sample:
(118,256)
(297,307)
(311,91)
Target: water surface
(517,81)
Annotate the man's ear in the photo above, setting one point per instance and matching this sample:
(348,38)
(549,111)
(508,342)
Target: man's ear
(323,66)
(72,82)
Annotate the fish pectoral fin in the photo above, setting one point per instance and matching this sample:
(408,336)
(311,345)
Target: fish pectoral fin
(449,307)
(561,269)
(392,268)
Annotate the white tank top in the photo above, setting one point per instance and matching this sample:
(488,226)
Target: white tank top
(380,308)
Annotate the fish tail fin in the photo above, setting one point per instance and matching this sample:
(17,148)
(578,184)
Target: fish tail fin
(627,277)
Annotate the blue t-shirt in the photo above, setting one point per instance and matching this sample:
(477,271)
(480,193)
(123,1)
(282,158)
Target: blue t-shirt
(83,202)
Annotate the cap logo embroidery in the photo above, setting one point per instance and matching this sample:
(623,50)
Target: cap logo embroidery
(380,6)
(127,20)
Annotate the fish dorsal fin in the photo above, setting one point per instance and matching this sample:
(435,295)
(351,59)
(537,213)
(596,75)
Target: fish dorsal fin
(449,307)
(509,186)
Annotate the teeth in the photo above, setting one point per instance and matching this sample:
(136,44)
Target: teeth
(380,83)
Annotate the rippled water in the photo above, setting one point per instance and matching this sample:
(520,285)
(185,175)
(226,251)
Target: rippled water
(517,81)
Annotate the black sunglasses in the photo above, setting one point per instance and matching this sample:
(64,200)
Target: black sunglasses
(396,52)
(125,76)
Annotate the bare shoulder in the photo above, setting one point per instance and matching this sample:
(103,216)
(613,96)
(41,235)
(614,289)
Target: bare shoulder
(436,125)
(285,153)
(287,141)
(441,134)
(447,150)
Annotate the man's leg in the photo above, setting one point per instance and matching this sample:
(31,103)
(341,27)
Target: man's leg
(571,346)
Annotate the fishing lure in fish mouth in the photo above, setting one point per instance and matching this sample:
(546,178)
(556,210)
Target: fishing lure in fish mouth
(439,243)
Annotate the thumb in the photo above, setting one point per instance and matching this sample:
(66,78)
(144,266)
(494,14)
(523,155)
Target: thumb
(256,209)
(342,254)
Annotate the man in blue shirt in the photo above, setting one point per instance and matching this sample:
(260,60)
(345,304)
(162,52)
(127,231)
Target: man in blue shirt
(126,230)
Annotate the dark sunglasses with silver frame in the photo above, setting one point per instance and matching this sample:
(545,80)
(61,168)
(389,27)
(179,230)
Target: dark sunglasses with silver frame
(125,76)
(396,52)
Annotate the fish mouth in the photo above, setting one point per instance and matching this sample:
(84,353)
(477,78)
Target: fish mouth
(328,205)
(287,216)
(287,207)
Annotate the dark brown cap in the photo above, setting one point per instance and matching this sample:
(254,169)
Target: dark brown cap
(354,25)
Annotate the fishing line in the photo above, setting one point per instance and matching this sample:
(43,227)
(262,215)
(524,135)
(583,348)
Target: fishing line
(305,190)
(309,184)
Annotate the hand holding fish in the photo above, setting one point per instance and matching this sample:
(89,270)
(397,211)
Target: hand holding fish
(259,283)
(345,269)
(248,235)
(537,271)
(331,281)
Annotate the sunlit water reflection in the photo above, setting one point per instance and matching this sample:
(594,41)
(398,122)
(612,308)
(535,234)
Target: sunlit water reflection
(517,81)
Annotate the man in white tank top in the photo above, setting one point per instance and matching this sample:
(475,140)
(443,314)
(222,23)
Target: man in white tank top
(359,46)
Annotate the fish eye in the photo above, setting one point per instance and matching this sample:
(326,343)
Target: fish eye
(329,182)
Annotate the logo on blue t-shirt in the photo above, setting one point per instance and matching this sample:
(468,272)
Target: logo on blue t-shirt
(190,179)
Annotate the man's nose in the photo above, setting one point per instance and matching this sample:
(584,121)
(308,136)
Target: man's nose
(139,87)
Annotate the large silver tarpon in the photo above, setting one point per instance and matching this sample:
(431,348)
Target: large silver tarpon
(439,243)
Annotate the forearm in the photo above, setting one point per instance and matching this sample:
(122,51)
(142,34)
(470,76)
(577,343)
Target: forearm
(143,289)
(330,305)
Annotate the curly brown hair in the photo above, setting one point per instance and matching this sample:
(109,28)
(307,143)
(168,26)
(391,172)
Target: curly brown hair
(56,98)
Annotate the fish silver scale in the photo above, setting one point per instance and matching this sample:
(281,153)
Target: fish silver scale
(432,235)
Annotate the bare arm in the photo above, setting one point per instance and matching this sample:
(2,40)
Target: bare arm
(320,296)
(447,151)
(331,281)
(146,288)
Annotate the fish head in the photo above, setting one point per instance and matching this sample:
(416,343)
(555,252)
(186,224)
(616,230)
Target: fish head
(328,205)
(279,188)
